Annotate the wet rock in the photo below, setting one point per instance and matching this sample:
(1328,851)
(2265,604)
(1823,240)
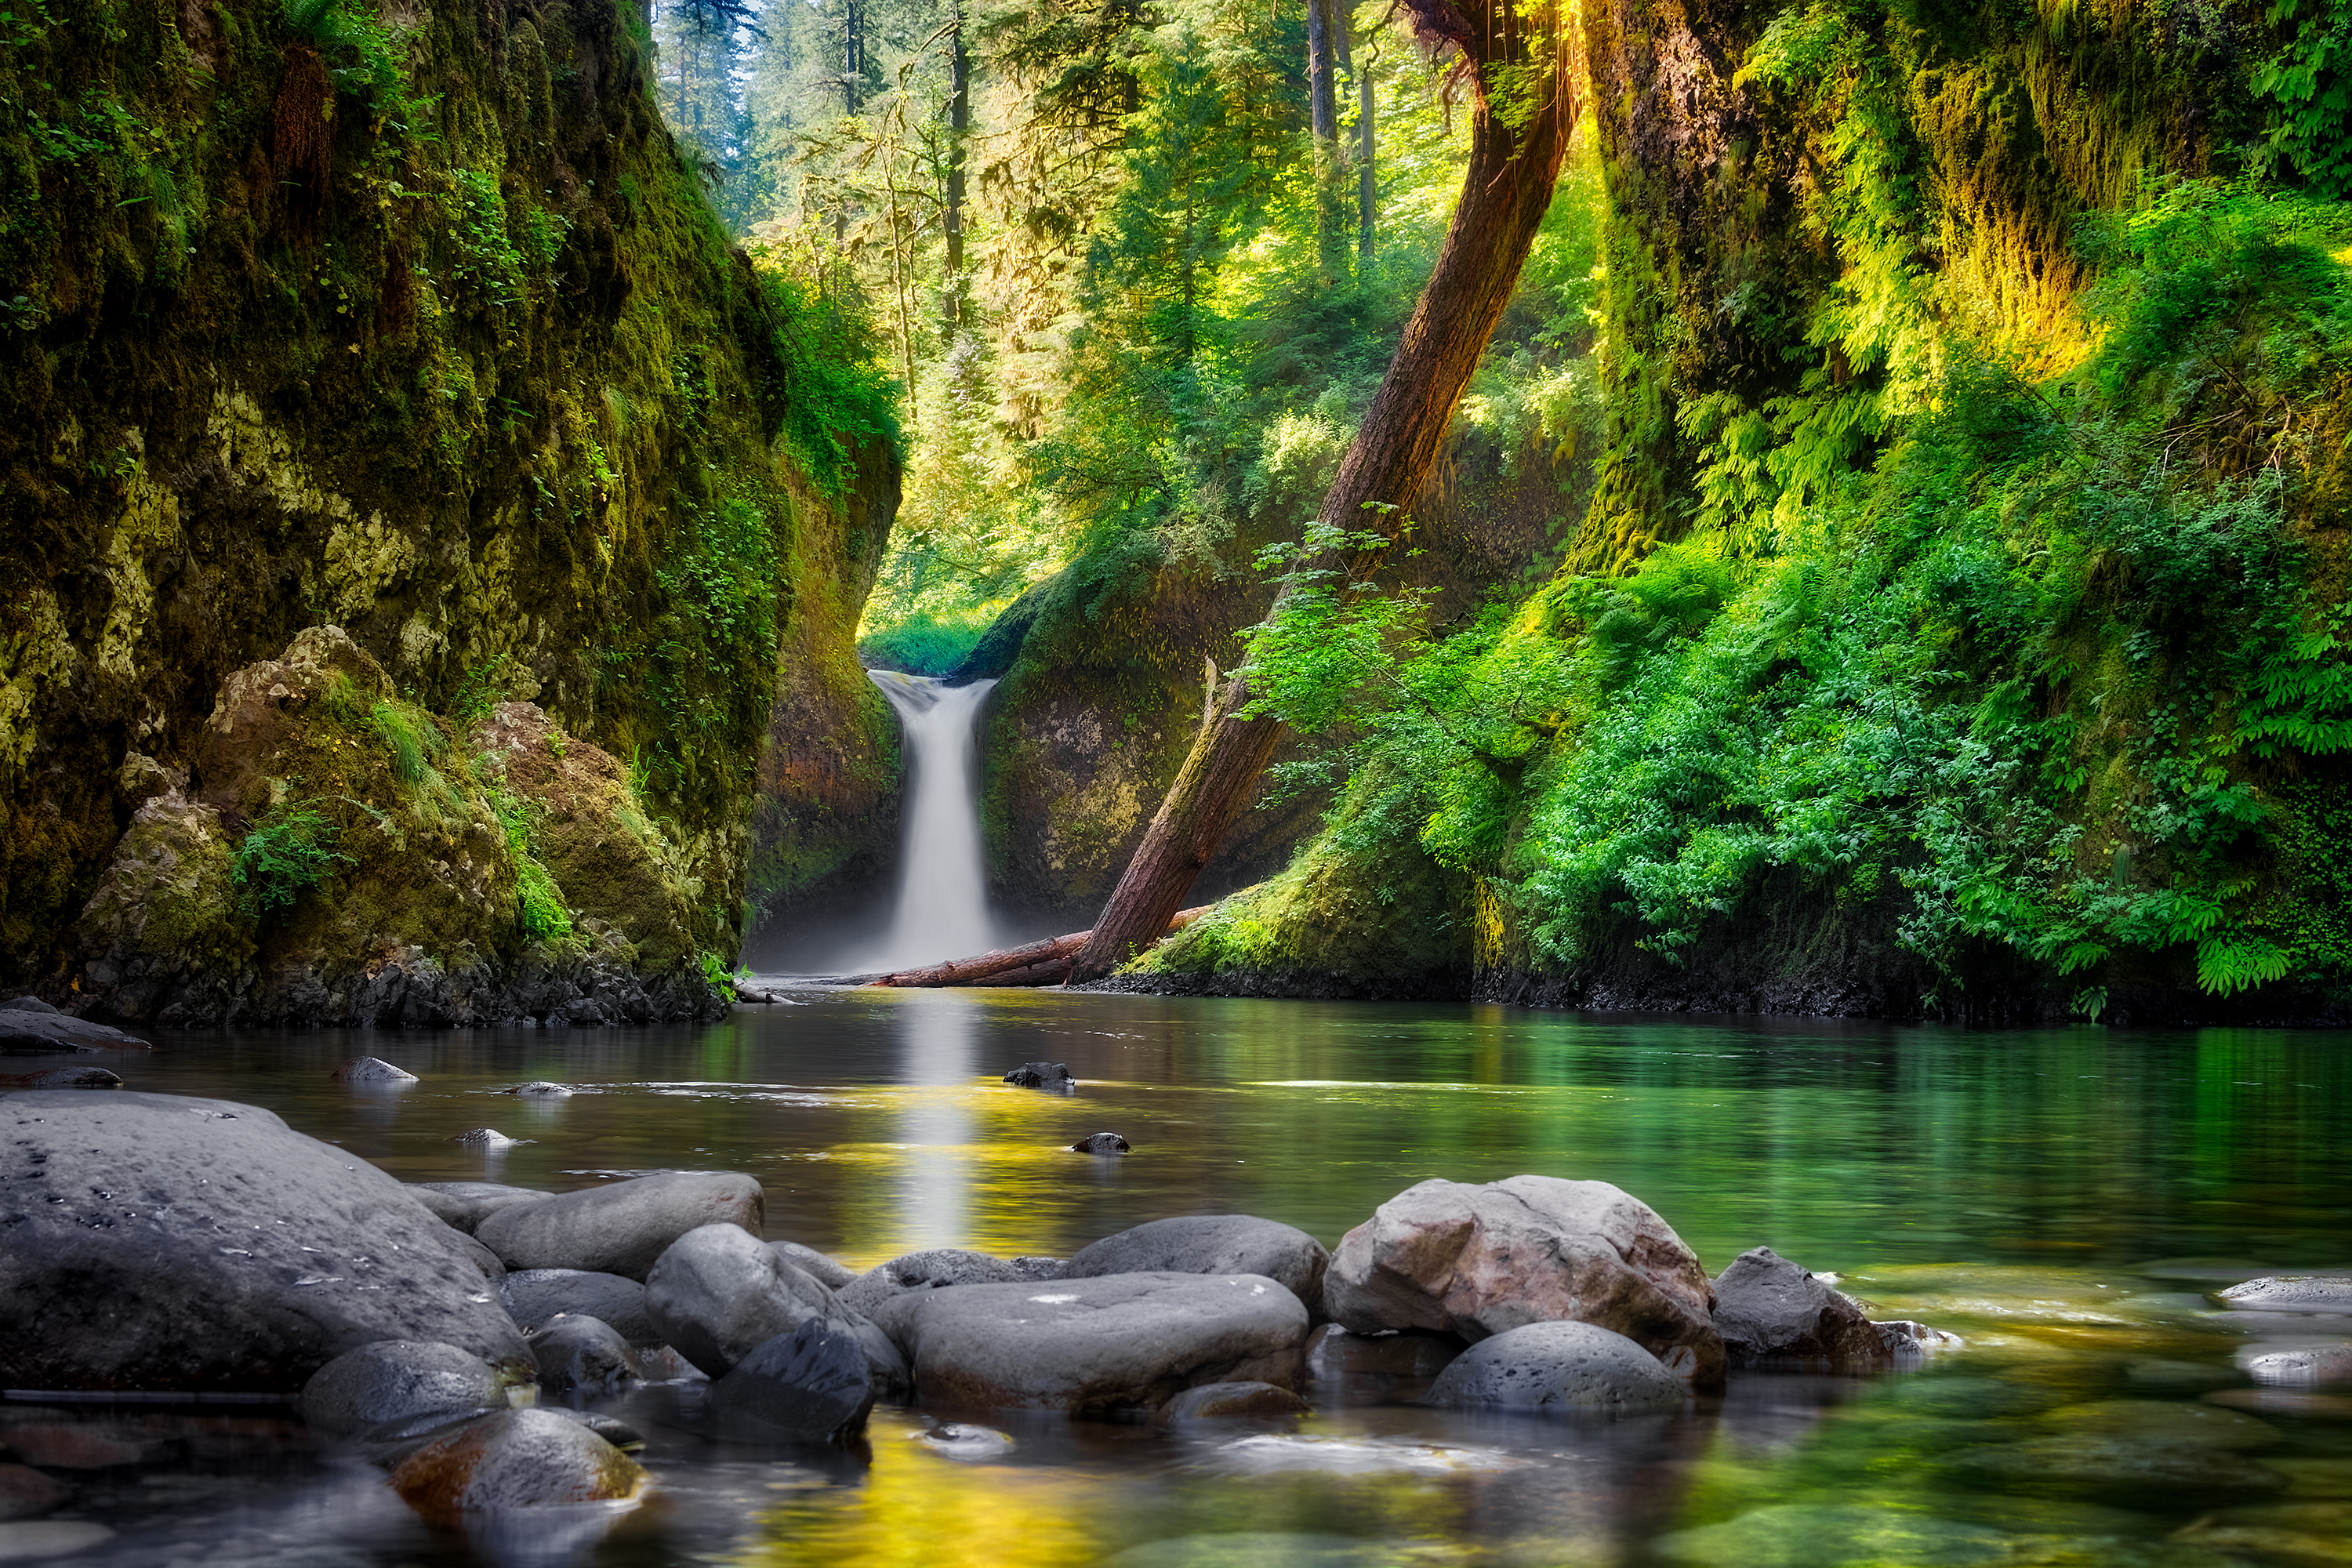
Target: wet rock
(33,1540)
(2265,1544)
(718,1295)
(493,1268)
(814,1384)
(518,1459)
(2293,1293)
(1335,1351)
(1211,1244)
(540,1090)
(1905,1341)
(662,1364)
(538,1296)
(487,1138)
(398,1381)
(2163,1423)
(465,1205)
(1032,1267)
(622,1228)
(371,1070)
(1224,1401)
(1053,1076)
(925,1271)
(80,1445)
(829,1271)
(1124,1341)
(1479,1260)
(2126,1470)
(2289,1402)
(25,1491)
(962,1440)
(1770,1311)
(29,1004)
(1812,1535)
(1559,1367)
(580,1354)
(2297,1365)
(612,1428)
(61,1078)
(229,1252)
(1100,1143)
(25,1033)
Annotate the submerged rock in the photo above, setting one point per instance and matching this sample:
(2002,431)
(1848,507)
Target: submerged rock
(1052,1076)
(487,1138)
(371,1070)
(623,1227)
(2126,1470)
(829,1271)
(398,1381)
(1559,1367)
(1092,1346)
(1230,1401)
(518,1459)
(718,1295)
(61,1078)
(1772,1311)
(1100,1143)
(815,1385)
(25,1491)
(1211,1244)
(2297,1365)
(580,1354)
(1817,1535)
(962,1440)
(541,1089)
(925,1271)
(1479,1260)
(2293,1293)
(36,1539)
(537,1297)
(230,1252)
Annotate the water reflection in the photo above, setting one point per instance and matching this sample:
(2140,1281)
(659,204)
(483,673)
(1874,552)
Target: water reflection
(940,1031)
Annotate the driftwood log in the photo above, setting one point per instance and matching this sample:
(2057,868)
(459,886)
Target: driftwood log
(1042,963)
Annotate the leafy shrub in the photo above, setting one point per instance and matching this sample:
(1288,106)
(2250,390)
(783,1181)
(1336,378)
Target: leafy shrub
(289,850)
(540,906)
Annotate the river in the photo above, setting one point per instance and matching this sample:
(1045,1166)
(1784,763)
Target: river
(2061,1199)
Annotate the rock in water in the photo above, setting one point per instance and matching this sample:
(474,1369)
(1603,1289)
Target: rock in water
(623,1227)
(487,1138)
(1769,1310)
(202,1245)
(1211,1244)
(1053,1076)
(518,1459)
(1228,1401)
(467,1205)
(537,1297)
(399,1380)
(926,1271)
(371,1070)
(49,1033)
(540,1090)
(1087,1346)
(812,1386)
(61,1078)
(2293,1293)
(829,1271)
(1100,1143)
(1559,1367)
(1479,1260)
(718,1295)
(583,1356)
(25,1491)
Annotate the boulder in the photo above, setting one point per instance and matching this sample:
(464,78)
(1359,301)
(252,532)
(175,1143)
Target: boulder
(2293,1366)
(517,1459)
(2293,1293)
(163,1244)
(1091,1346)
(25,1033)
(1225,1401)
(371,1071)
(537,1297)
(1100,1143)
(814,1384)
(400,1379)
(1033,1266)
(718,1295)
(467,1205)
(622,1228)
(1211,1244)
(25,1491)
(1052,1076)
(1772,1311)
(1336,1352)
(580,1354)
(926,1271)
(1480,1260)
(540,1089)
(487,1138)
(61,1078)
(1559,1367)
(1908,1342)
(493,1267)
(827,1270)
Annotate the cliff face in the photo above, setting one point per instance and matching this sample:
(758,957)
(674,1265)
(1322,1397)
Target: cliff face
(412,322)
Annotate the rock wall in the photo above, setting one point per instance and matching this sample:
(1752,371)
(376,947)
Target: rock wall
(414,323)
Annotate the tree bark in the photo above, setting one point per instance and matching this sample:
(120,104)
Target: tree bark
(1514,165)
(1368,206)
(1323,118)
(1023,965)
(959,132)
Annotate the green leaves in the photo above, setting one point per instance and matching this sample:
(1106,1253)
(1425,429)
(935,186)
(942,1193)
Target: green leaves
(289,851)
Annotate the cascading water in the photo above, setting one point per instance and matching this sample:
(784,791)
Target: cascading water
(942,910)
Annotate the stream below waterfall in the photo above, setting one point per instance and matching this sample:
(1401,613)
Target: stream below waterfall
(2061,1199)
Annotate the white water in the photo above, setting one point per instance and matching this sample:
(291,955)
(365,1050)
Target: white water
(942,910)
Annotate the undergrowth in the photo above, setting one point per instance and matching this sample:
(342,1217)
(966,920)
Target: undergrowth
(289,851)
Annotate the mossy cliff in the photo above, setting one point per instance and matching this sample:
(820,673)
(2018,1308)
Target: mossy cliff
(1959,624)
(410,323)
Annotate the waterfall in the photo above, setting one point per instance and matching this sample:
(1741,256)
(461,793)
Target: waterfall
(942,910)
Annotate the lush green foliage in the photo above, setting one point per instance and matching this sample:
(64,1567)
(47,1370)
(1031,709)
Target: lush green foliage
(540,902)
(289,851)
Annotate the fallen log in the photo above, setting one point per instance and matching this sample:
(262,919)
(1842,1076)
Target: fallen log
(1043,962)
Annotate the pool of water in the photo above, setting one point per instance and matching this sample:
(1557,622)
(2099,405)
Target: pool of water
(2061,1199)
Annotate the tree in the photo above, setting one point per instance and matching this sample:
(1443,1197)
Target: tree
(1522,64)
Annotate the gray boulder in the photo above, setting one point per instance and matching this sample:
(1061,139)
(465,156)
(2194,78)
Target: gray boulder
(623,1227)
(2293,1293)
(371,1071)
(2297,1365)
(1089,1346)
(25,1032)
(1035,1266)
(926,1271)
(516,1460)
(1054,1077)
(812,1386)
(583,1356)
(400,1379)
(493,1267)
(716,1295)
(1559,1367)
(1101,1143)
(61,1078)
(1770,1311)
(537,1297)
(465,1205)
(1229,1401)
(826,1269)
(25,1491)
(1211,1244)
(1481,1261)
(163,1242)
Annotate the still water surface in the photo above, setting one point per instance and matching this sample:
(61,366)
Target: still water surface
(2061,1199)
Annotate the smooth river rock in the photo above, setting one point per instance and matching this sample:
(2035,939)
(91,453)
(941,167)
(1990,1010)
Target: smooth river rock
(1092,1346)
(1559,1367)
(2293,1293)
(25,1491)
(1480,1260)
(826,1269)
(2297,1365)
(1211,1244)
(465,1205)
(165,1243)
(1101,1143)
(538,1296)
(719,1294)
(926,1271)
(517,1459)
(580,1354)
(814,1384)
(371,1070)
(61,1078)
(1232,1401)
(622,1228)
(1770,1311)
(398,1381)
(31,1027)
(1052,1077)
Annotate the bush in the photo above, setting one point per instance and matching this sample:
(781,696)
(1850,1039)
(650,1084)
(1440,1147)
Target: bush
(289,851)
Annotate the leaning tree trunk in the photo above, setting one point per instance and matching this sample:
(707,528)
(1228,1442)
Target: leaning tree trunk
(1523,66)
